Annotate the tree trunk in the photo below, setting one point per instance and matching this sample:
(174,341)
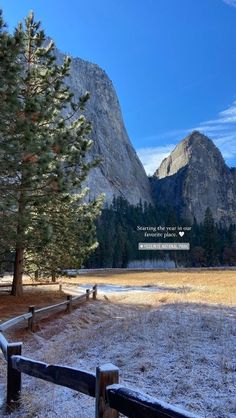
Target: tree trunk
(17,288)
(53,277)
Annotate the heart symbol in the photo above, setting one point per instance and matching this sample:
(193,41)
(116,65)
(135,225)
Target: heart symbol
(181,233)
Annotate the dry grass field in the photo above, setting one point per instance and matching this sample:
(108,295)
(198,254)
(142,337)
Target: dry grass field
(198,286)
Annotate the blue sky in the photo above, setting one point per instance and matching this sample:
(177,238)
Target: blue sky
(172,62)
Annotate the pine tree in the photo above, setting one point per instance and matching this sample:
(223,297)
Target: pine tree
(73,238)
(9,69)
(210,241)
(43,151)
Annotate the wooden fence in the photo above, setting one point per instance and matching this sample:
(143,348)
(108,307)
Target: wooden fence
(35,284)
(31,315)
(110,397)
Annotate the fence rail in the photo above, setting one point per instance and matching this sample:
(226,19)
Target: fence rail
(3,344)
(111,398)
(52,307)
(9,284)
(14,321)
(69,377)
(135,404)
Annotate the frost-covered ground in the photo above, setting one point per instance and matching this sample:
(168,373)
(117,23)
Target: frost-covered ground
(184,354)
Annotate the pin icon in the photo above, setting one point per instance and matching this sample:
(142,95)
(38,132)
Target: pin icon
(181,233)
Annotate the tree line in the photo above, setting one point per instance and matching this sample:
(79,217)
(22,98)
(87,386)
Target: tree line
(210,244)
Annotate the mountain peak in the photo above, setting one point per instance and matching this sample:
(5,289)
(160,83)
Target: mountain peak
(194,177)
(196,137)
(194,149)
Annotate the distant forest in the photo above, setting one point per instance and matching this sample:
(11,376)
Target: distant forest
(210,244)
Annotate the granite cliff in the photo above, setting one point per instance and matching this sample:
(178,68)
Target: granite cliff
(120,172)
(194,177)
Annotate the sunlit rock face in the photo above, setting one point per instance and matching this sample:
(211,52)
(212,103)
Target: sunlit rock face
(120,172)
(194,177)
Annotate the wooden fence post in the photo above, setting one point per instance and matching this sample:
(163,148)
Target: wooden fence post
(60,287)
(87,294)
(69,305)
(106,375)
(13,377)
(31,321)
(95,290)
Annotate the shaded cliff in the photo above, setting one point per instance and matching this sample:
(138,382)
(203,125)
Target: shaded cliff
(194,177)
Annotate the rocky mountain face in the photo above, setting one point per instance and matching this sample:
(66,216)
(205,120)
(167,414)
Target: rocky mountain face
(194,177)
(120,172)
